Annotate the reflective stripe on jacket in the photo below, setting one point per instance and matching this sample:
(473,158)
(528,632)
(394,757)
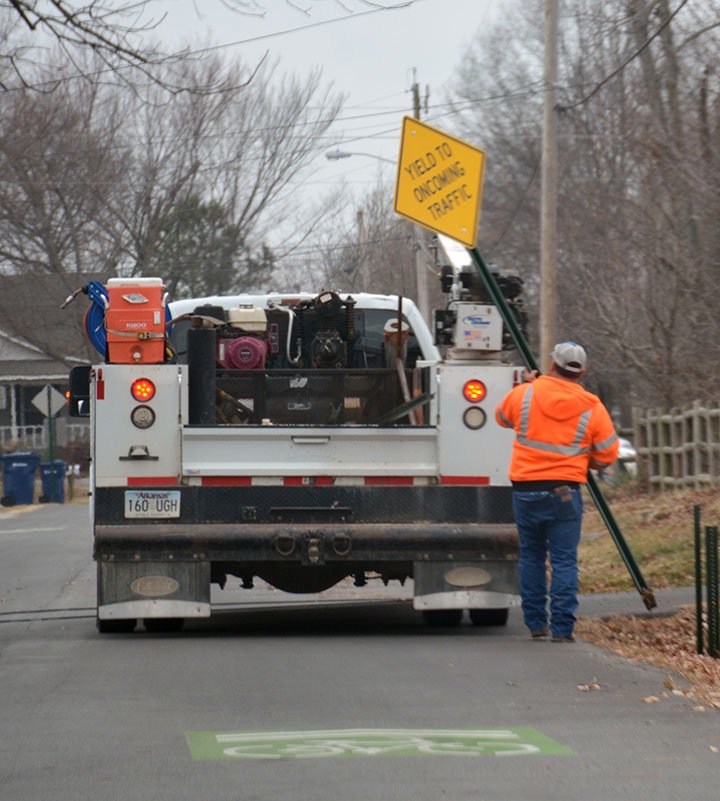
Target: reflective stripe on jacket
(560,428)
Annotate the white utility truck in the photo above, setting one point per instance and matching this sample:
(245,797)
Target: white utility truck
(303,439)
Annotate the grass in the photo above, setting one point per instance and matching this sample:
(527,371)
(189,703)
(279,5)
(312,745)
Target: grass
(659,530)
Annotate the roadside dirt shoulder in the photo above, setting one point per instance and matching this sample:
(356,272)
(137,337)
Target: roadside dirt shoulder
(667,642)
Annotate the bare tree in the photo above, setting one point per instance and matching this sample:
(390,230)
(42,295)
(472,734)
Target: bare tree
(120,35)
(649,193)
(638,252)
(262,8)
(101,180)
(57,162)
(114,32)
(365,247)
(46,43)
(239,150)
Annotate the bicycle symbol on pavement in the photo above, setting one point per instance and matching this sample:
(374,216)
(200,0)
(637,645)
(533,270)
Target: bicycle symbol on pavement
(370,743)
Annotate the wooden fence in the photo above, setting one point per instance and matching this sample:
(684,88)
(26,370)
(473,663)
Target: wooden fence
(679,447)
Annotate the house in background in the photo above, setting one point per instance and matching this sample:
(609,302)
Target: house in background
(39,344)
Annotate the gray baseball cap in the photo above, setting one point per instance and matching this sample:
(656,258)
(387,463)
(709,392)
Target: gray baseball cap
(570,356)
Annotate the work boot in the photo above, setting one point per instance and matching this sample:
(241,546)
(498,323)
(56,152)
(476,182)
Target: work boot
(561,638)
(537,634)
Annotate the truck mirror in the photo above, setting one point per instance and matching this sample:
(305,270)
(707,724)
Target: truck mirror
(79,397)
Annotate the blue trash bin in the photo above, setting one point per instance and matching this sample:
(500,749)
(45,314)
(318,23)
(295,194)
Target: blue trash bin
(19,478)
(53,481)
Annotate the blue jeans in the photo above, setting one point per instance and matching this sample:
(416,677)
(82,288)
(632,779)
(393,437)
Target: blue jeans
(549,522)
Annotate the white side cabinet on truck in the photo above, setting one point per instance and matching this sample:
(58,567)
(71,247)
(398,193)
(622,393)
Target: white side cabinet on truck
(302,439)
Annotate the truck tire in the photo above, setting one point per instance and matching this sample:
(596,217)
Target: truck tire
(489,617)
(163,624)
(442,617)
(116,626)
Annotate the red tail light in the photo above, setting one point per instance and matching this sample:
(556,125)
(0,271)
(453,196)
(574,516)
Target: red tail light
(142,389)
(474,390)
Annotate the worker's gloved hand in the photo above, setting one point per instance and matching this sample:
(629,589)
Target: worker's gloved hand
(529,375)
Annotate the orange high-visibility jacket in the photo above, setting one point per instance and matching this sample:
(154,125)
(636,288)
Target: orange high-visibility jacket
(560,428)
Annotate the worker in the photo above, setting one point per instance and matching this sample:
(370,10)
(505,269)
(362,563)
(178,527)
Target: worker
(561,431)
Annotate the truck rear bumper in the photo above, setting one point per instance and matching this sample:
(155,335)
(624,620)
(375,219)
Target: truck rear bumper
(165,571)
(307,544)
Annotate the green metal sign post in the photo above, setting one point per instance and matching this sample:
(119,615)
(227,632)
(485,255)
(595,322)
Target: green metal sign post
(626,554)
(51,426)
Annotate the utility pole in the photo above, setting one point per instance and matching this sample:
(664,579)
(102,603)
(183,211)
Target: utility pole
(423,298)
(362,243)
(549,191)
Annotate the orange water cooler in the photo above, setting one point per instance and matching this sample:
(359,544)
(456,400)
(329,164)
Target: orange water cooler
(135,321)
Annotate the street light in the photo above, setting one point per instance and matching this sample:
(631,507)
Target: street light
(420,270)
(337,154)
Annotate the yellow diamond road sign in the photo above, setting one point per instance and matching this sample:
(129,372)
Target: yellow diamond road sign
(439,181)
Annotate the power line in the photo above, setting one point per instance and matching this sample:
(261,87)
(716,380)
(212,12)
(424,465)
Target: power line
(180,55)
(309,26)
(627,61)
(454,108)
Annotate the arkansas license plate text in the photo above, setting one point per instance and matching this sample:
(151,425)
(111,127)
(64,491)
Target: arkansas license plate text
(152,503)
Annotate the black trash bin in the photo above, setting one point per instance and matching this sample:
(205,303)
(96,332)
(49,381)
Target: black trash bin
(53,481)
(19,478)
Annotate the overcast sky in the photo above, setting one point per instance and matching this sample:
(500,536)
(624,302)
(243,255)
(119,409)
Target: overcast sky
(368,54)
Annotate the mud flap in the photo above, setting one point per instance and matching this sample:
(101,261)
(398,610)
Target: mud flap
(465,585)
(127,590)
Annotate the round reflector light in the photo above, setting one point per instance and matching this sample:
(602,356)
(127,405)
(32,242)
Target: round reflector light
(474,418)
(142,389)
(142,416)
(474,390)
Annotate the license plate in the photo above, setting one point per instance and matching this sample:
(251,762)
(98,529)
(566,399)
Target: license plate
(152,503)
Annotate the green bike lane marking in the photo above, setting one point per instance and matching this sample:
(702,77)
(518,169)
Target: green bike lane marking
(522,741)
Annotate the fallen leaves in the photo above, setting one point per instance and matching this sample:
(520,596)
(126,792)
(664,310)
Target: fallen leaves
(667,642)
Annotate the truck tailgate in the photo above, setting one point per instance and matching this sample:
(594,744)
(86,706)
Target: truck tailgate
(299,451)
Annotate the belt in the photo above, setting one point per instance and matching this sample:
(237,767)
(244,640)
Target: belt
(537,486)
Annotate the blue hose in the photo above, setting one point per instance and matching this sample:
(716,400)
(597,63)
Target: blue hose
(95,316)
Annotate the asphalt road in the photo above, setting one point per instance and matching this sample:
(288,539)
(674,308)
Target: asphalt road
(295,700)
